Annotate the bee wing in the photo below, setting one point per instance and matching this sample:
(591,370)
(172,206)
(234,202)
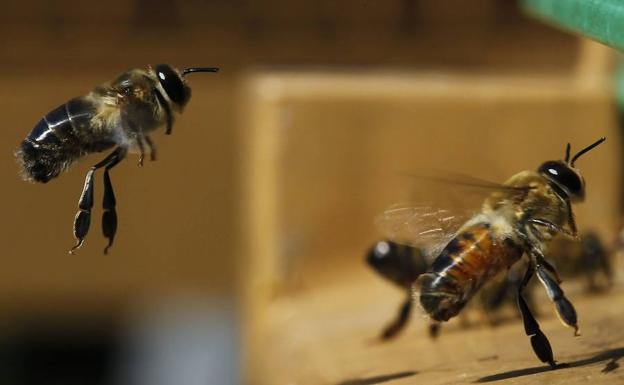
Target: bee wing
(426,227)
(434,218)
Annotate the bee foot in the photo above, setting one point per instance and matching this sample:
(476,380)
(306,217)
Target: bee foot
(76,246)
(109,227)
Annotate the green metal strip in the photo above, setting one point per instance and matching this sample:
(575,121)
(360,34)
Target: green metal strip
(601,20)
(619,83)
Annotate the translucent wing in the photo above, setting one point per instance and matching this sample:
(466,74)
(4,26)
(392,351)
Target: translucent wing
(426,227)
(439,205)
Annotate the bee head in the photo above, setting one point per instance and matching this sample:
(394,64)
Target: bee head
(174,82)
(380,253)
(563,175)
(383,258)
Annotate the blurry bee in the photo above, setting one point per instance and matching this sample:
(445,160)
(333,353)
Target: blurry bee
(589,258)
(518,217)
(118,114)
(401,265)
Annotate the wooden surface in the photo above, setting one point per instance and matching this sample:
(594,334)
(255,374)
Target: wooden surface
(326,335)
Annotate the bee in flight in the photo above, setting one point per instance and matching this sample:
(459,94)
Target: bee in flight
(518,218)
(119,114)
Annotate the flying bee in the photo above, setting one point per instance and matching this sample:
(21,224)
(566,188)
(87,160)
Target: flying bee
(518,218)
(119,114)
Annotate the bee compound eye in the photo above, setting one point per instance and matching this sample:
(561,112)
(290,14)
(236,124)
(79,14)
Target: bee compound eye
(564,176)
(172,83)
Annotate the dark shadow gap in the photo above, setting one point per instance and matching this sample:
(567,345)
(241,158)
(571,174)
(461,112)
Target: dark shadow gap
(611,355)
(378,379)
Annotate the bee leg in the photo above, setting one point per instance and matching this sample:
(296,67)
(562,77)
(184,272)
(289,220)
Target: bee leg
(565,309)
(169,116)
(434,329)
(85,203)
(399,323)
(152,147)
(571,220)
(602,258)
(540,260)
(167,110)
(536,253)
(109,216)
(529,298)
(556,228)
(141,146)
(539,342)
(606,269)
(83,216)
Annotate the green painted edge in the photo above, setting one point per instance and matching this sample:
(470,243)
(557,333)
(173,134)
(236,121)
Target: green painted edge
(601,20)
(619,82)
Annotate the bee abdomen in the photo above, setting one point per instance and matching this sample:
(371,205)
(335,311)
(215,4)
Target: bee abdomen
(465,264)
(55,142)
(440,296)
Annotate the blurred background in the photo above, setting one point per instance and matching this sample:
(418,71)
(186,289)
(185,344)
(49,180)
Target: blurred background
(263,200)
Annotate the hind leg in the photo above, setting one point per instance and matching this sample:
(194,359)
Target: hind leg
(151,146)
(539,342)
(85,203)
(142,141)
(109,217)
(397,325)
(565,309)
(141,144)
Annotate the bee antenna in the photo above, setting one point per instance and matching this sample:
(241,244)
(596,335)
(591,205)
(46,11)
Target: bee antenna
(586,149)
(567,157)
(187,71)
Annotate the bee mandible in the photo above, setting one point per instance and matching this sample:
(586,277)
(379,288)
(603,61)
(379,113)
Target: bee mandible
(519,217)
(119,114)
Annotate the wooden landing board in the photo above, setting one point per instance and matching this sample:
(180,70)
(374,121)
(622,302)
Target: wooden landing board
(325,336)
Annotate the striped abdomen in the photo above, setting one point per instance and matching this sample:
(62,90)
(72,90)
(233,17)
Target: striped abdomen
(61,137)
(466,263)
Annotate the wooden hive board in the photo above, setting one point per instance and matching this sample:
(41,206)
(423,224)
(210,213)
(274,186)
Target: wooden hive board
(322,154)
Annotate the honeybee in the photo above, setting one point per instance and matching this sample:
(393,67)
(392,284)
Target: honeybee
(119,114)
(518,218)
